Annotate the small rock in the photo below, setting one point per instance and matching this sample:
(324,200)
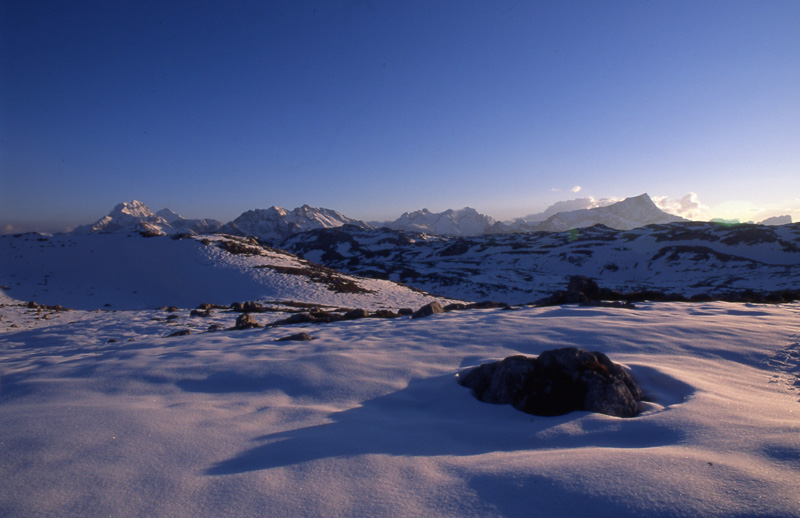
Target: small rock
(214,327)
(384,313)
(428,309)
(182,332)
(246,321)
(354,314)
(324,316)
(253,307)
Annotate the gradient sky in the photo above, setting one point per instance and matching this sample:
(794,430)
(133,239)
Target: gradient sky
(376,108)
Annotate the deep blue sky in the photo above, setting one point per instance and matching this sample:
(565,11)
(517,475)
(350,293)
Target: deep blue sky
(376,108)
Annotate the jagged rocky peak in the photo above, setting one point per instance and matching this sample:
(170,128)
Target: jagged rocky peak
(462,222)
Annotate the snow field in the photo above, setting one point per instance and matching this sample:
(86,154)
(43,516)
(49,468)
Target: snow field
(367,419)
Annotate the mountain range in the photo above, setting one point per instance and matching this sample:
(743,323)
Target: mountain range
(461,254)
(275,224)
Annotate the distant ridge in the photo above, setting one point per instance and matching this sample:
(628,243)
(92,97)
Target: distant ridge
(462,222)
(777,220)
(630,213)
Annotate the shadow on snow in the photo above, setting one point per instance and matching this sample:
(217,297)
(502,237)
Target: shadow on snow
(437,417)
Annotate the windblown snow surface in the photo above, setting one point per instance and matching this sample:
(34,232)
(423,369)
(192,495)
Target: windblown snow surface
(104,415)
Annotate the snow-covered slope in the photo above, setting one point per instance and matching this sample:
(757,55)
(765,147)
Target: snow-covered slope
(128,271)
(687,258)
(462,222)
(104,416)
(276,223)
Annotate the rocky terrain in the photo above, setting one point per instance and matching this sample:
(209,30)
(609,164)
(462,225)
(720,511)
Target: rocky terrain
(688,258)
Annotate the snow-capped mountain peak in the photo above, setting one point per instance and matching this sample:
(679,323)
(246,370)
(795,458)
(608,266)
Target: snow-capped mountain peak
(132,216)
(135,216)
(462,222)
(276,223)
(169,215)
(627,214)
(135,209)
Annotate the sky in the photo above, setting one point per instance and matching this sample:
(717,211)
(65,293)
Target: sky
(378,108)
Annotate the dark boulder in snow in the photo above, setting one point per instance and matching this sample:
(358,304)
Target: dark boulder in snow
(557,382)
(355,314)
(585,285)
(428,309)
(247,307)
(384,313)
(246,321)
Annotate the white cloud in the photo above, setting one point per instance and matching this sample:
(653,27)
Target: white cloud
(688,206)
(577,188)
